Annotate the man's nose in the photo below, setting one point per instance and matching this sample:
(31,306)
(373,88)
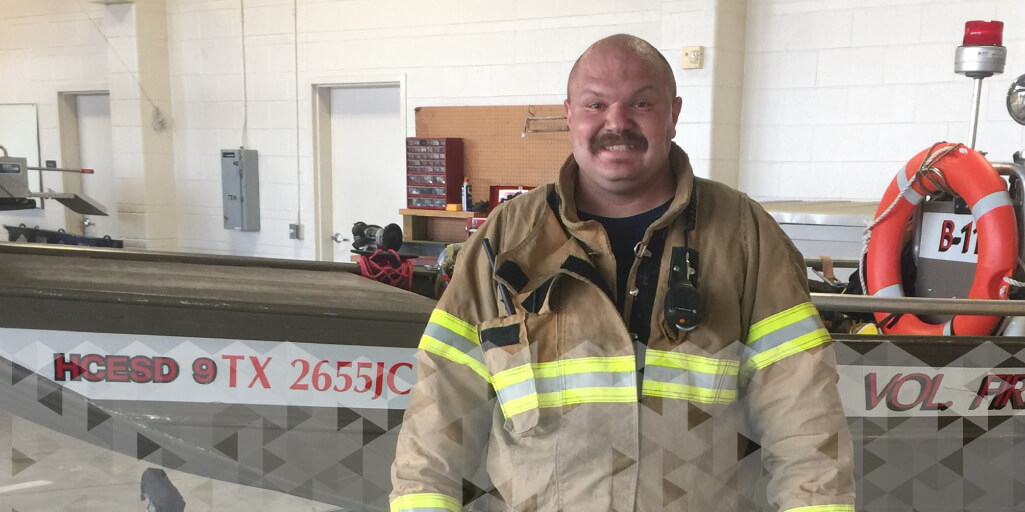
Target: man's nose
(617,117)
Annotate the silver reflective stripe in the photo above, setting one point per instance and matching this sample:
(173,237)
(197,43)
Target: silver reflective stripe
(948,328)
(910,194)
(454,340)
(990,202)
(586,380)
(912,197)
(688,378)
(785,334)
(902,178)
(894,290)
(514,391)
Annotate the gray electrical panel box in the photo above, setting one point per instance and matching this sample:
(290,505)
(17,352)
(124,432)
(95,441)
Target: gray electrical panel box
(13,176)
(240,186)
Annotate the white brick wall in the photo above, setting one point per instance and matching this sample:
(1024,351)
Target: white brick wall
(865,85)
(48,48)
(833,97)
(452,52)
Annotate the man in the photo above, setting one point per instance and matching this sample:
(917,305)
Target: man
(578,392)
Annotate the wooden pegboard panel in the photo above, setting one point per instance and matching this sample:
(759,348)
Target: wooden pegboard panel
(496,153)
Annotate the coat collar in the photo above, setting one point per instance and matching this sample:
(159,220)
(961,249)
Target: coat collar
(679,163)
(560,242)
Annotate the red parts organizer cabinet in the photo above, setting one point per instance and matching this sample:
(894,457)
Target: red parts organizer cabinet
(434,172)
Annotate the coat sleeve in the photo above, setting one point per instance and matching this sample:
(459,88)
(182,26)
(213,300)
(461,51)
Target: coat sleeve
(445,430)
(790,369)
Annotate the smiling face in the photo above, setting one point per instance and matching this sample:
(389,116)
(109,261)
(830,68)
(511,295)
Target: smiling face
(622,114)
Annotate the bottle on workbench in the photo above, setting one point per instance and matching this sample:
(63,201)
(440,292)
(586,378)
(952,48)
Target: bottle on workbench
(466,197)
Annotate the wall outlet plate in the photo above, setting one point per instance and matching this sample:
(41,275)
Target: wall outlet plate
(693,57)
(295,231)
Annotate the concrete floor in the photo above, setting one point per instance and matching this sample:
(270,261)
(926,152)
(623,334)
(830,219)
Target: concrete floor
(42,470)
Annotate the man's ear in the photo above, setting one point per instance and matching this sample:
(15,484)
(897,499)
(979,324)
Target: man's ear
(565,105)
(677,105)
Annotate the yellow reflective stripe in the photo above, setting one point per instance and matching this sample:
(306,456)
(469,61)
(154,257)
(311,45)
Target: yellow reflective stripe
(440,348)
(411,502)
(781,320)
(563,367)
(569,397)
(690,393)
(587,395)
(799,344)
(511,376)
(823,508)
(691,362)
(583,365)
(455,324)
(521,404)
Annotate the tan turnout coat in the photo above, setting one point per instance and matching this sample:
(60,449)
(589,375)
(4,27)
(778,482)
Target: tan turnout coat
(550,402)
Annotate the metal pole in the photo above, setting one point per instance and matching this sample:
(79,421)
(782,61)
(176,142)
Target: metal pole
(917,305)
(61,169)
(816,263)
(974,126)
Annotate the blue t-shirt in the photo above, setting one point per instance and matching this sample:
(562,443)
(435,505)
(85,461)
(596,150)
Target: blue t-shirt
(624,233)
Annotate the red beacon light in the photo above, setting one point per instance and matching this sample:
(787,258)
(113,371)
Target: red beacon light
(982,54)
(983,33)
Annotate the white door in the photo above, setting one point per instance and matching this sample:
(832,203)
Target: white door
(94,150)
(368,140)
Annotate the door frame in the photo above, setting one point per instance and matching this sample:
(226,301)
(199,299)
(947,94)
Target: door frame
(323,203)
(71,150)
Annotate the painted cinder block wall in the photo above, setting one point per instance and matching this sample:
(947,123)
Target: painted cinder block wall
(813,99)
(839,95)
(449,52)
(46,48)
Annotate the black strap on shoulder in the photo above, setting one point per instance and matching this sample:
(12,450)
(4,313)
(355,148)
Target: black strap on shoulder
(690,215)
(646,280)
(690,220)
(553,202)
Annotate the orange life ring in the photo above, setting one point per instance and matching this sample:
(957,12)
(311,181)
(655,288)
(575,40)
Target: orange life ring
(970,176)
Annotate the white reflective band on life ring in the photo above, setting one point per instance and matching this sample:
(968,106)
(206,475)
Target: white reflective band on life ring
(910,194)
(948,329)
(894,290)
(989,203)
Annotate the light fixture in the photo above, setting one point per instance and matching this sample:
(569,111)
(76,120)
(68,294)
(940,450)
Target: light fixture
(1016,100)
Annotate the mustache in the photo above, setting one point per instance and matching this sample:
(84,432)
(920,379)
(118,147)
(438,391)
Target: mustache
(628,137)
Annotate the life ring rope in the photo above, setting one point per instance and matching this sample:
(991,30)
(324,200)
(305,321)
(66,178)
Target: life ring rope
(1014,282)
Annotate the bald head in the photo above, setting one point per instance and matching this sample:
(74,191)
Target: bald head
(633,46)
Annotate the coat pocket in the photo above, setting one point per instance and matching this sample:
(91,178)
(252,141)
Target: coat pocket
(508,355)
